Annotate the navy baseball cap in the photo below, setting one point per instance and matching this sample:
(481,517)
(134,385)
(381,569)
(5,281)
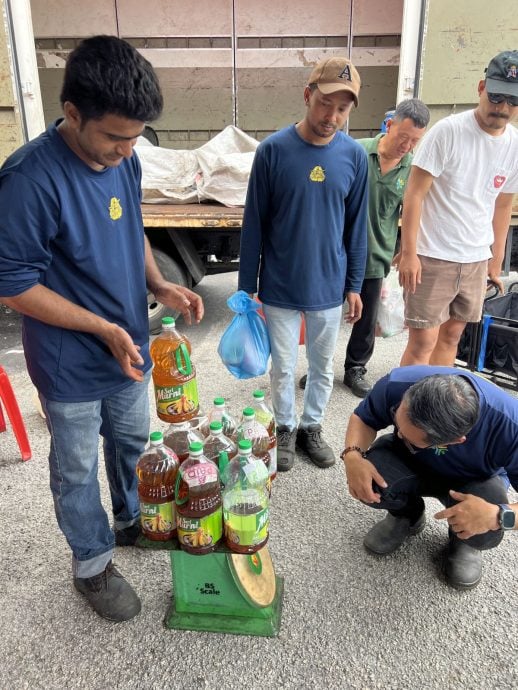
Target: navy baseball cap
(502,73)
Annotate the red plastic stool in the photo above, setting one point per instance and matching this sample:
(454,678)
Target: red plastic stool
(14,414)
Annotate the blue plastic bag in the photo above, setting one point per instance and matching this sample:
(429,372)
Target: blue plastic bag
(244,347)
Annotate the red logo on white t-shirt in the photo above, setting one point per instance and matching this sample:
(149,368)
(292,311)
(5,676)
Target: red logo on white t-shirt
(498,181)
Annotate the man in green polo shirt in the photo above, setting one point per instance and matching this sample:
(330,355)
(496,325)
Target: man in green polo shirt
(389,167)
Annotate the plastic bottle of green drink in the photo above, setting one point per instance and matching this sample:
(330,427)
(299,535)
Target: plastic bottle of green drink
(246,510)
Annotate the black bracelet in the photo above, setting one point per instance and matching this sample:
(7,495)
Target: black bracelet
(349,449)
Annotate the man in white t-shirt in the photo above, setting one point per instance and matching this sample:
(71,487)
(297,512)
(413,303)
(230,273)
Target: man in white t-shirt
(456,215)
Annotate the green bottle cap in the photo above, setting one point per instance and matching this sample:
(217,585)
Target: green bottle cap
(259,395)
(168,321)
(156,437)
(219,402)
(196,447)
(216,426)
(249,412)
(245,444)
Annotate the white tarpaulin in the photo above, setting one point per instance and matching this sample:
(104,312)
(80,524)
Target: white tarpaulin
(217,171)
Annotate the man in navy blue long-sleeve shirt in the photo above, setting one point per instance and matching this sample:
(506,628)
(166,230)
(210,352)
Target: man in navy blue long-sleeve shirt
(304,239)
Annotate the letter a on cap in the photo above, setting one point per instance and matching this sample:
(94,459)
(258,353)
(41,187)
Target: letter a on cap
(345,73)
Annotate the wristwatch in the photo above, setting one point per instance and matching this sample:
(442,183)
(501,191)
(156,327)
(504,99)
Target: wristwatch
(506,517)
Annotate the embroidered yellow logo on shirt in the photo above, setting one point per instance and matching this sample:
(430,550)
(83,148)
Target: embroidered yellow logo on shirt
(317,174)
(115,208)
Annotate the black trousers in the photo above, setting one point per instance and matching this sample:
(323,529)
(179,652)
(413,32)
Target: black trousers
(408,482)
(363,335)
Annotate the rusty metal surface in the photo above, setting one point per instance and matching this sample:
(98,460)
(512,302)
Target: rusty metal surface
(191,216)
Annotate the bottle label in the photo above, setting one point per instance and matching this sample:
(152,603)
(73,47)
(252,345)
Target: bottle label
(200,475)
(177,400)
(246,529)
(157,518)
(200,532)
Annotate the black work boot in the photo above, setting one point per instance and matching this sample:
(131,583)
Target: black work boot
(285,448)
(109,594)
(127,536)
(310,440)
(463,564)
(388,534)
(302,381)
(354,379)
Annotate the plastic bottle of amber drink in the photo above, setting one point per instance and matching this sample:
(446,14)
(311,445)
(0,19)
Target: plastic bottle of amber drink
(174,375)
(198,503)
(156,470)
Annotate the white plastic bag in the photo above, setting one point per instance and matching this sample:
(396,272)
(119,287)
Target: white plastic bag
(391,309)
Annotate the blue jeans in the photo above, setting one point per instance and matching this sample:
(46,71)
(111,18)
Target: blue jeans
(122,419)
(408,481)
(322,328)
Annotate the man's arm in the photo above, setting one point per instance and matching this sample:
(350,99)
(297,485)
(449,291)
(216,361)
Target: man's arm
(254,219)
(47,306)
(409,266)
(501,222)
(355,240)
(359,471)
(170,294)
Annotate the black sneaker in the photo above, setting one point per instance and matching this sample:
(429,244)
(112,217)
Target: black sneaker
(463,565)
(310,440)
(127,536)
(285,448)
(354,379)
(388,534)
(109,594)
(302,381)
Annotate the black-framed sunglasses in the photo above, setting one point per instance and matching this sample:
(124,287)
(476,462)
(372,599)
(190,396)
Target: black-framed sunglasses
(497,98)
(409,446)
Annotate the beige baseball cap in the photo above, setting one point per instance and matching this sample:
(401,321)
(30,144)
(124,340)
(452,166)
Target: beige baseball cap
(336,74)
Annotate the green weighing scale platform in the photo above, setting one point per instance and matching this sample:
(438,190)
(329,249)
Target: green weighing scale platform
(223,591)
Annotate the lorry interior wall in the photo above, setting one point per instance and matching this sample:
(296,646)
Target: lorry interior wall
(460,38)
(218,68)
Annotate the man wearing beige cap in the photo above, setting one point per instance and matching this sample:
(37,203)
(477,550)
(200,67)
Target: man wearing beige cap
(456,216)
(304,239)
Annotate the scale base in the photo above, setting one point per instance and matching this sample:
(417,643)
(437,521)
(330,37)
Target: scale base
(267,624)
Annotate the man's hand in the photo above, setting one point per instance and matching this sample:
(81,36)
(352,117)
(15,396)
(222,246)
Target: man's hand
(471,515)
(187,302)
(409,268)
(355,307)
(360,475)
(494,269)
(124,350)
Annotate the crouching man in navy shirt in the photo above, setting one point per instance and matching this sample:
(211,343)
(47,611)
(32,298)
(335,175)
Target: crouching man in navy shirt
(455,438)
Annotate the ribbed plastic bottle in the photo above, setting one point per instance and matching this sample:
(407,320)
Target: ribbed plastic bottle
(265,416)
(157,469)
(250,429)
(220,413)
(179,437)
(246,511)
(199,512)
(216,442)
(174,375)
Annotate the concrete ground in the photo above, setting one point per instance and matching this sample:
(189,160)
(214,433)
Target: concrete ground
(349,620)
